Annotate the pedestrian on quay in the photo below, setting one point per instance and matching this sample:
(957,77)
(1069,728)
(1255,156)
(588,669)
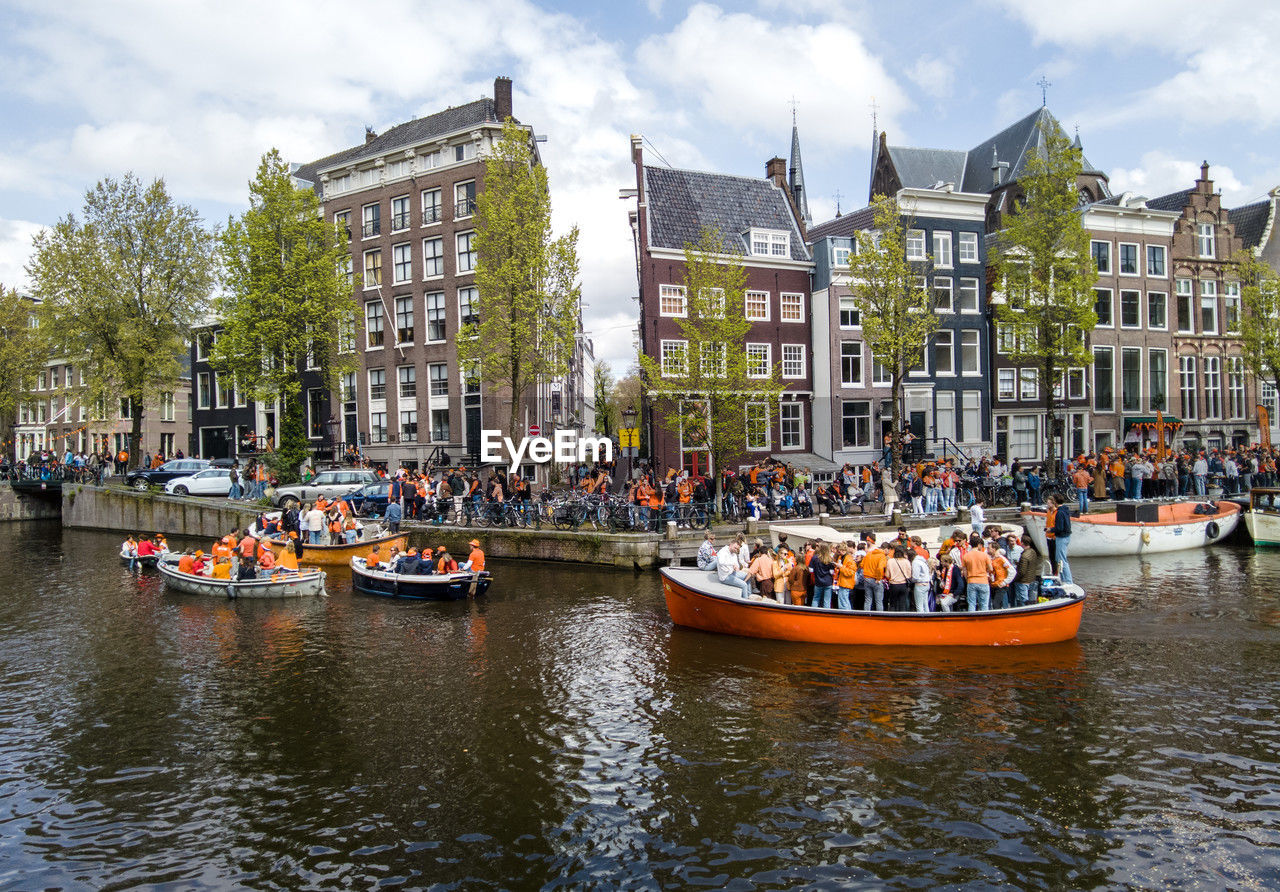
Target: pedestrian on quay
(393,516)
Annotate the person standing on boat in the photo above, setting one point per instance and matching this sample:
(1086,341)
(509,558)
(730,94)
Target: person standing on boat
(1002,574)
(393,515)
(846,576)
(315,523)
(1030,563)
(1057,532)
(977,574)
(921,574)
(761,570)
(898,578)
(873,569)
(822,568)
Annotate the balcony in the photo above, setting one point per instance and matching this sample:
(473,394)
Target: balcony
(371,228)
(464,207)
(400,222)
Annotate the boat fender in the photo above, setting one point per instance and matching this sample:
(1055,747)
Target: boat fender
(231,592)
(1211,529)
(1146,537)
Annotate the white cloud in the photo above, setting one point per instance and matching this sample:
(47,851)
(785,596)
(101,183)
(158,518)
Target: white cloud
(614,337)
(1159,173)
(15,248)
(934,76)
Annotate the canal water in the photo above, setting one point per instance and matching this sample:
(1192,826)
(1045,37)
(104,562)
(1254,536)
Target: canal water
(562,734)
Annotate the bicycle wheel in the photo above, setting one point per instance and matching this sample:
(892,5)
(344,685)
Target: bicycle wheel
(562,516)
(699,519)
(1006,497)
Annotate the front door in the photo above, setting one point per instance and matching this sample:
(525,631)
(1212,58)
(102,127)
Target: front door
(1002,445)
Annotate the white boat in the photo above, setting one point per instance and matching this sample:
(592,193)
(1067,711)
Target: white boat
(1262,518)
(284,585)
(1168,527)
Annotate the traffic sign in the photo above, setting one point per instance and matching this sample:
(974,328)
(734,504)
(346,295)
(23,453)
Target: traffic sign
(534,430)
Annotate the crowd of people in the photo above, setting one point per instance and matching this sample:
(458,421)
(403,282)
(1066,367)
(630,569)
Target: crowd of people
(428,562)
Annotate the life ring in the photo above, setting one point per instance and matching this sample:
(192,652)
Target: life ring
(1211,529)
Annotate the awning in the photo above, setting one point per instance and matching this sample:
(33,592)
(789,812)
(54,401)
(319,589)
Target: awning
(1151,421)
(814,462)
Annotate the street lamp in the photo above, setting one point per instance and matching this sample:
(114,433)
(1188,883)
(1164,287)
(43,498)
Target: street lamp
(628,424)
(335,428)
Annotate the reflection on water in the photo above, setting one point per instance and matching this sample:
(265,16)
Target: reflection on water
(562,733)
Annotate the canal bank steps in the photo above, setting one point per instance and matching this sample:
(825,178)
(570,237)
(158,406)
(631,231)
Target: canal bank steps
(125,511)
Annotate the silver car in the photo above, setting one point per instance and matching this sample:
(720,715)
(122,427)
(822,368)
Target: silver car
(329,484)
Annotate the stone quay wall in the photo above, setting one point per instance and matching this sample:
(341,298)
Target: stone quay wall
(15,506)
(126,511)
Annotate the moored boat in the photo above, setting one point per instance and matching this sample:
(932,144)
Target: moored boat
(434,587)
(697,600)
(1262,518)
(284,585)
(1143,528)
(148,560)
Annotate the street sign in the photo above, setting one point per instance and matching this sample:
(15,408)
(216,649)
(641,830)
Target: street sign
(629,438)
(534,430)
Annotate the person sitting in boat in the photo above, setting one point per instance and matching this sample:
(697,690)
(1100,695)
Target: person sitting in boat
(475,560)
(393,555)
(161,544)
(948,583)
(186,562)
(129,547)
(146,548)
(707,552)
(200,564)
(408,564)
(727,569)
(221,568)
(288,562)
(445,562)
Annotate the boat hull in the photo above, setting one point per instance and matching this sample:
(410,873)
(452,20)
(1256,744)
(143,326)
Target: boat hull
(148,561)
(286,586)
(1264,528)
(693,603)
(341,555)
(445,587)
(1100,535)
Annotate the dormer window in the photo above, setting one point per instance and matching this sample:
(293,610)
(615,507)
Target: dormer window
(770,243)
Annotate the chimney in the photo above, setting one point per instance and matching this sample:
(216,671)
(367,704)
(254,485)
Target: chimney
(369,134)
(502,97)
(776,169)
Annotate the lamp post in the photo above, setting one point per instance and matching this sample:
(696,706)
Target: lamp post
(334,426)
(628,424)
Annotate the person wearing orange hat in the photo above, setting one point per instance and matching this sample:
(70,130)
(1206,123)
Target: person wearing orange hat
(198,564)
(475,561)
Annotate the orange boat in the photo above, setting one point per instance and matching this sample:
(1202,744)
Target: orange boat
(697,600)
(341,555)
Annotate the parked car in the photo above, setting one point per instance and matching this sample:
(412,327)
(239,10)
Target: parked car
(209,482)
(329,484)
(369,500)
(170,470)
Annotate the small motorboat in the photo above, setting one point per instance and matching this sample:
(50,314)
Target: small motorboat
(1262,518)
(434,587)
(282,585)
(148,560)
(1142,528)
(696,599)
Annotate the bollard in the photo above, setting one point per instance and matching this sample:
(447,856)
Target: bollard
(671,529)
(896,517)
(752,526)
(824,519)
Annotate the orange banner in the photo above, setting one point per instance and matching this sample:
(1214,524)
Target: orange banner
(1159,436)
(1264,425)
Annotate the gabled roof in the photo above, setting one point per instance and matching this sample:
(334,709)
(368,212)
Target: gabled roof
(1251,220)
(925,168)
(1174,201)
(403,135)
(681,203)
(843,227)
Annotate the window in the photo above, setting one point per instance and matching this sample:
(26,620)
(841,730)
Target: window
(409,425)
(1130,309)
(1104,379)
(430,206)
(839,258)
(792,308)
(757,306)
(466,252)
(968,296)
(971,414)
(759,360)
(1212,387)
(757,415)
(204,390)
(1102,307)
(1158,380)
(432,257)
(1187,382)
(464,199)
(850,317)
(1006,384)
(942,298)
(401,263)
(377,384)
(1186,306)
(1268,397)
(855,422)
(880,374)
(342,222)
(440,425)
(373,323)
(968,247)
(1204,239)
(204,344)
(468,306)
(43,381)
(793,365)
(851,363)
(397,169)
(1006,340)
(915,244)
(345,274)
(1075,384)
(672,300)
(770,243)
(349,387)
(1157,311)
(438,373)
(944,415)
(1235,387)
(372,269)
(400,213)
(675,359)
(371,215)
(347,336)
(1030,389)
(714,360)
(435,315)
(943,353)
(1155,261)
(942,250)
(1024,435)
(1128,259)
(1208,308)
(1101,252)
(970,355)
(429,160)
(790,418)
(378,427)
(408,379)
(1230,307)
(1130,379)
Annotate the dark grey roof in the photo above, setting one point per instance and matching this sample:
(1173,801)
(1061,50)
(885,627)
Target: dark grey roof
(1251,220)
(410,133)
(798,189)
(1174,201)
(925,168)
(684,202)
(844,226)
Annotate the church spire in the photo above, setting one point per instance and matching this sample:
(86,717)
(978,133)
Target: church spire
(796,181)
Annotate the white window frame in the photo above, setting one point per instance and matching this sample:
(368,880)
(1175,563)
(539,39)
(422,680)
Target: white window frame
(673,301)
(433,262)
(1028,377)
(747,307)
(1111,352)
(792,361)
(434,302)
(760,351)
(382,327)
(397,305)
(969,283)
(1208,295)
(855,364)
(1007,385)
(971,340)
(796,300)
(1205,241)
(1212,388)
(915,245)
(1137,259)
(1188,386)
(942,256)
(432,207)
(767,442)
(470,253)
(881,375)
(673,356)
(967,247)
(944,285)
(783,408)
(1184,291)
(1151,376)
(1136,406)
(406,382)
(1139,307)
(406,215)
(850,304)
(1154,251)
(366,270)
(943,337)
(1165,297)
(1231,306)
(401,258)
(769,242)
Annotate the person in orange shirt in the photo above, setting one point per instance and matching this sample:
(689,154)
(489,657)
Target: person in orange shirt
(266,559)
(873,568)
(475,561)
(289,555)
(977,574)
(186,562)
(846,576)
(1081,480)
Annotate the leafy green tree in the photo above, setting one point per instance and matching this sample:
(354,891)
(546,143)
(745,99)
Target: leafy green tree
(123,288)
(711,392)
(286,305)
(527,280)
(606,411)
(1260,319)
(22,353)
(893,299)
(1044,272)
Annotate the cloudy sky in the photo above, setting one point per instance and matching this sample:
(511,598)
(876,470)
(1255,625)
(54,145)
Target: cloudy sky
(196,91)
